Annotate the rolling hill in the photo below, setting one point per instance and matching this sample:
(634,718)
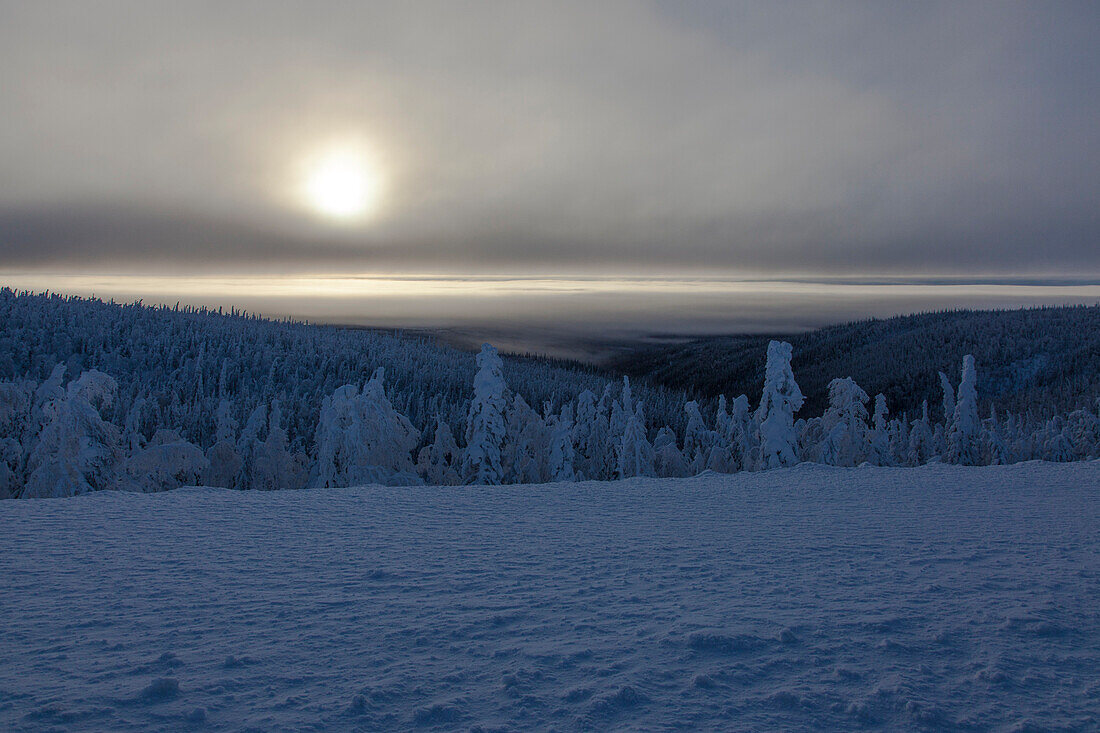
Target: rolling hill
(1041,359)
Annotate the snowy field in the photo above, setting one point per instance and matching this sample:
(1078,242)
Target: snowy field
(938,597)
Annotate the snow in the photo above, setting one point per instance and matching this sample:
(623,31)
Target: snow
(775,416)
(804,598)
(485,424)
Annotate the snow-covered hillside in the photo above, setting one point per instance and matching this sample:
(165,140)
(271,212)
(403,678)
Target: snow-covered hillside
(1040,360)
(195,396)
(808,597)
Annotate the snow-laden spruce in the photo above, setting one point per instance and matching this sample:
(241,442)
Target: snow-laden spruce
(75,451)
(963,445)
(485,424)
(845,441)
(361,439)
(781,400)
(74,433)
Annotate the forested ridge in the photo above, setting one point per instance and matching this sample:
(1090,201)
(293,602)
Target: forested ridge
(103,396)
(1045,360)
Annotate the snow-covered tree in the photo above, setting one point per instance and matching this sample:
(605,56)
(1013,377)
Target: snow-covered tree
(485,425)
(166,462)
(610,435)
(921,439)
(77,451)
(948,401)
(590,438)
(362,439)
(389,435)
(844,424)
(562,454)
(274,466)
(698,439)
(898,431)
(526,444)
(1055,444)
(1083,433)
(722,455)
(635,451)
(440,462)
(11,467)
(47,393)
(997,449)
(775,416)
(249,444)
(621,411)
(963,439)
(744,434)
(723,421)
(721,459)
(134,428)
(224,461)
(879,436)
(16,399)
(668,460)
(811,440)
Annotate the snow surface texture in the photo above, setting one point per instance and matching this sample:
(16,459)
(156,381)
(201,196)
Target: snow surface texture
(936,597)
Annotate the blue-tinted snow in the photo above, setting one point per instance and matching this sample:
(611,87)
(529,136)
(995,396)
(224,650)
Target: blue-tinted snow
(936,597)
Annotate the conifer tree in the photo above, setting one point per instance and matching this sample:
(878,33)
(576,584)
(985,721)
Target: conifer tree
(485,425)
(963,444)
(775,416)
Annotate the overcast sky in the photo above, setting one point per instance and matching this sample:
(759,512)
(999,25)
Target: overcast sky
(767,138)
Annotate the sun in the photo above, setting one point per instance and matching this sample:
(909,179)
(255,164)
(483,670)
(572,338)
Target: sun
(342,183)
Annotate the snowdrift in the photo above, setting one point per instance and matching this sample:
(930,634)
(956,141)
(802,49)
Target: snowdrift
(801,598)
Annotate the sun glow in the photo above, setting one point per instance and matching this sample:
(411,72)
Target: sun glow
(342,183)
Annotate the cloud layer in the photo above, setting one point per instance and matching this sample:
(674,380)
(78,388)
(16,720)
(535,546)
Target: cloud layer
(788,138)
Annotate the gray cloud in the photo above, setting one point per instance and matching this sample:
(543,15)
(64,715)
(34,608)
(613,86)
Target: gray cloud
(841,138)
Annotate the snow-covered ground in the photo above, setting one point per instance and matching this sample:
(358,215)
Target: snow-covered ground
(811,597)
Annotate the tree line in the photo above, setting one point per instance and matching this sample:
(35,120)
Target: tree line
(236,401)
